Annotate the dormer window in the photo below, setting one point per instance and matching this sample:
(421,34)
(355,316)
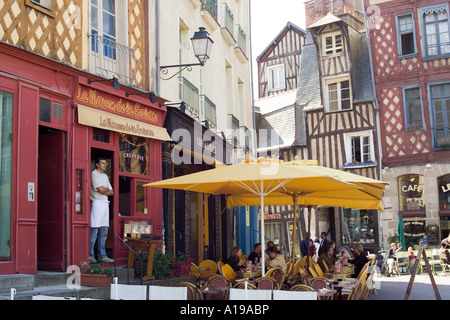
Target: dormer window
(332,43)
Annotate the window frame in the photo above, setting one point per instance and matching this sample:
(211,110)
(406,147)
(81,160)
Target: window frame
(270,71)
(400,33)
(406,110)
(425,54)
(431,100)
(334,48)
(337,80)
(349,161)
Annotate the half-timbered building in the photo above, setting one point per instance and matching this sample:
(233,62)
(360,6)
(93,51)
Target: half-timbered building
(334,121)
(410,45)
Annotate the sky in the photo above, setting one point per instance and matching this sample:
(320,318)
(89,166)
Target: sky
(268,18)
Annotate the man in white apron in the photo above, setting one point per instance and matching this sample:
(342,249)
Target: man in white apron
(100,190)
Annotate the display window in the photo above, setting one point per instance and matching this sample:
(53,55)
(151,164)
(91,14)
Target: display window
(358,226)
(411,192)
(444,192)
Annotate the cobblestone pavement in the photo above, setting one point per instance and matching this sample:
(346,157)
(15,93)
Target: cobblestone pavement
(394,288)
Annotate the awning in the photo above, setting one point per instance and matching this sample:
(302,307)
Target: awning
(107,121)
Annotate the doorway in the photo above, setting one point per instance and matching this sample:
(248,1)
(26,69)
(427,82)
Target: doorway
(109,155)
(51,198)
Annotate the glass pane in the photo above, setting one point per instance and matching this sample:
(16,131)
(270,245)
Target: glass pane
(141,198)
(109,6)
(124,196)
(345,104)
(444,192)
(438,114)
(109,24)
(411,192)
(6,127)
(405,23)
(358,226)
(94,17)
(133,156)
(407,42)
(45,110)
(101,135)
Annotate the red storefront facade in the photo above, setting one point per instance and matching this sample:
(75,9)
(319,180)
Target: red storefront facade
(58,123)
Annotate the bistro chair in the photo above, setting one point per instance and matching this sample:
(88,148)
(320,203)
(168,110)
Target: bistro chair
(320,283)
(301,287)
(220,264)
(266,283)
(194,270)
(207,267)
(355,292)
(363,274)
(228,272)
(241,285)
(278,275)
(218,281)
(193,292)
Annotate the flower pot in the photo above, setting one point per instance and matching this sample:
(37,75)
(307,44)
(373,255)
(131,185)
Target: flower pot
(183,269)
(95,280)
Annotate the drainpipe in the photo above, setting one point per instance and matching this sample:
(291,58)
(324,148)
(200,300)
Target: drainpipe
(252,99)
(157,48)
(377,122)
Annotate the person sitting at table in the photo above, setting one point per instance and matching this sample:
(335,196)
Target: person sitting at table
(445,243)
(235,259)
(392,258)
(276,259)
(326,260)
(359,259)
(255,256)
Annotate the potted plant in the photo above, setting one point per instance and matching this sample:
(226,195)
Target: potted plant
(94,275)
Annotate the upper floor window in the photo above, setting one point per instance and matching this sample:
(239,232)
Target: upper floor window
(276,77)
(338,94)
(413,109)
(43,3)
(405,35)
(436,30)
(359,148)
(440,114)
(332,43)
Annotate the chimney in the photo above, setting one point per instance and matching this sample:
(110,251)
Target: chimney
(317,9)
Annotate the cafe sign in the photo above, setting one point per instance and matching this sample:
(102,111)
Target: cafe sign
(110,103)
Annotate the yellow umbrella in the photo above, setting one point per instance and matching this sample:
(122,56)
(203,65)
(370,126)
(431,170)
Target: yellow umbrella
(367,193)
(260,178)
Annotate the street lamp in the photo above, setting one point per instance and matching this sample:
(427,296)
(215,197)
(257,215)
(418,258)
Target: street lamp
(202,45)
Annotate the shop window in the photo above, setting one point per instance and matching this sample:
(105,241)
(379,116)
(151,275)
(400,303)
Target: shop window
(133,154)
(141,198)
(411,193)
(358,226)
(124,196)
(444,192)
(6,129)
(101,135)
(51,112)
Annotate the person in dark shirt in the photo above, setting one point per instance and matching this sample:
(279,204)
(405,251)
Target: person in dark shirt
(359,260)
(255,256)
(235,259)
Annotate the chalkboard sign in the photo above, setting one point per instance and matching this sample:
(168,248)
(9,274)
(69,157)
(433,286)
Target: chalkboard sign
(433,235)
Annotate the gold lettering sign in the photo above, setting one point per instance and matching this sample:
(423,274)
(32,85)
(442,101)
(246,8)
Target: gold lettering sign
(127,108)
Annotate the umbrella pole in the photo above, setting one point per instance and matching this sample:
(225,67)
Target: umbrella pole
(263,257)
(294,227)
(308,235)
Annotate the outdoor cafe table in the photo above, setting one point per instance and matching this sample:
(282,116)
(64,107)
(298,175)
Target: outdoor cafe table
(326,294)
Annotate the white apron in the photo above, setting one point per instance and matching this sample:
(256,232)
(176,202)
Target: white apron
(99,213)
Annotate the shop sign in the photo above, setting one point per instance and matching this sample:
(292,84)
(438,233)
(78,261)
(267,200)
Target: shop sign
(110,103)
(445,188)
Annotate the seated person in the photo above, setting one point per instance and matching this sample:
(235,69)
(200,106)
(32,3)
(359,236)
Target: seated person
(359,260)
(326,261)
(276,259)
(255,256)
(235,259)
